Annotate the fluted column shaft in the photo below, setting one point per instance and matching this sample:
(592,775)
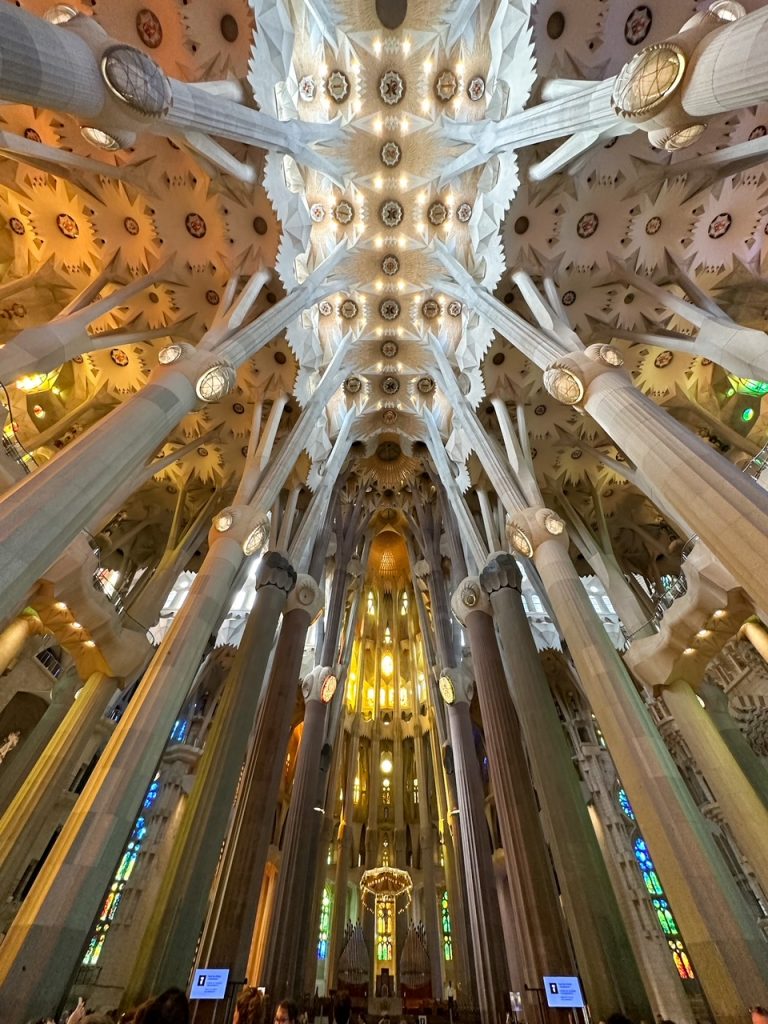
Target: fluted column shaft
(542,939)
(602,947)
(169,943)
(481,901)
(52,927)
(49,774)
(724,944)
(344,853)
(227,936)
(753,767)
(285,960)
(740,804)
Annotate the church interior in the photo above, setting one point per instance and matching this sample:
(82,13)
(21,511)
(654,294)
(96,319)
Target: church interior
(383,509)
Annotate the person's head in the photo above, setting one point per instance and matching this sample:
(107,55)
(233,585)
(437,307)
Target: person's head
(759,1015)
(249,1008)
(287,1012)
(618,1018)
(342,1007)
(170,1007)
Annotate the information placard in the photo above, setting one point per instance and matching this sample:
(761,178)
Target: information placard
(563,992)
(209,983)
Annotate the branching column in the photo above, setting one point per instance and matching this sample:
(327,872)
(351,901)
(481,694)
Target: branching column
(602,947)
(723,941)
(542,943)
(482,905)
(285,960)
(227,936)
(168,946)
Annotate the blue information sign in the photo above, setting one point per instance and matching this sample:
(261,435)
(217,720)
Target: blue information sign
(563,992)
(209,983)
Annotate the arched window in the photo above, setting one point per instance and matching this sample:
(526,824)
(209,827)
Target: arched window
(325,924)
(445,920)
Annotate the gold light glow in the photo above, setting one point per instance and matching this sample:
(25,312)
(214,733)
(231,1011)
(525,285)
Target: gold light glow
(387,665)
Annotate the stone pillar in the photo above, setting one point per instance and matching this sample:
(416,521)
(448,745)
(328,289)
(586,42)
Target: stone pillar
(482,905)
(43,513)
(19,762)
(754,631)
(15,635)
(51,773)
(602,947)
(344,847)
(228,931)
(730,513)
(716,706)
(168,946)
(742,808)
(55,920)
(285,960)
(541,940)
(723,941)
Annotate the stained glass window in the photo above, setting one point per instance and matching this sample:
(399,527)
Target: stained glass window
(325,924)
(625,805)
(643,858)
(445,920)
(120,879)
(179,730)
(661,907)
(384,908)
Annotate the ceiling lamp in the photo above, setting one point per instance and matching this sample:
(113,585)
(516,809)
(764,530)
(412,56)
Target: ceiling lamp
(387,884)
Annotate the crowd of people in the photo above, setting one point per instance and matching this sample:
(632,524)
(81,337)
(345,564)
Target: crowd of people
(172,1007)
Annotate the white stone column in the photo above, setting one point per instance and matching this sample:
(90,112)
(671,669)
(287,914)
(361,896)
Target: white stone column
(725,946)
(727,509)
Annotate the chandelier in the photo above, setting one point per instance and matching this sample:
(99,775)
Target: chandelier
(385,883)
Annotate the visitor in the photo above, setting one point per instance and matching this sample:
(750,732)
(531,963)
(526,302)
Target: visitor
(249,1008)
(759,1015)
(342,1007)
(170,1007)
(287,1012)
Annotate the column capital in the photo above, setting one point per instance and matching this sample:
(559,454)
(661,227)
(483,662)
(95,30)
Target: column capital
(569,378)
(210,375)
(457,683)
(275,571)
(501,572)
(245,524)
(319,685)
(469,597)
(528,528)
(307,596)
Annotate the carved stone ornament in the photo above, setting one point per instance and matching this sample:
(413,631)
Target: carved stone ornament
(430,309)
(389,417)
(469,597)
(464,213)
(390,385)
(317,212)
(437,214)
(391,87)
(391,154)
(353,385)
(275,571)
(307,88)
(338,86)
(391,213)
(425,385)
(306,595)
(454,308)
(390,265)
(500,572)
(325,307)
(446,85)
(348,309)
(344,212)
(389,349)
(389,309)
(476,88)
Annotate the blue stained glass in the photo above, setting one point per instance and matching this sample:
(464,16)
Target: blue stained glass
(151,796)
(625,805)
